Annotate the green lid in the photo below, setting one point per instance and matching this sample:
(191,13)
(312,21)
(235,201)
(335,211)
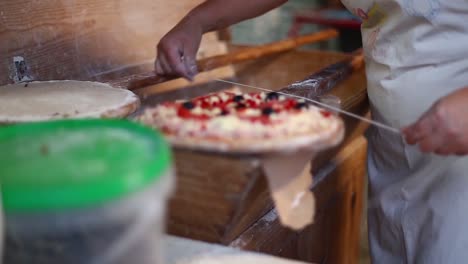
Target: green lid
(77,163)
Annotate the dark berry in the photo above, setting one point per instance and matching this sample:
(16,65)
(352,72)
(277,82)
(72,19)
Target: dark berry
(238,98)
(301,106)
(224,112)
(188,105)
(241,106)
(272,96)
(267,111)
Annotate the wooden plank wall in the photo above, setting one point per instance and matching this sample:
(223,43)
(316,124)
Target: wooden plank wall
(84,39)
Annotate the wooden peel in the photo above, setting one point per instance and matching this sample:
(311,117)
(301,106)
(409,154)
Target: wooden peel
(137,81)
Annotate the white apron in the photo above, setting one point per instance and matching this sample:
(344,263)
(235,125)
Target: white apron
(416,52)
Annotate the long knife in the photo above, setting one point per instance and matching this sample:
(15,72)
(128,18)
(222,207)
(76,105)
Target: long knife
(320,83)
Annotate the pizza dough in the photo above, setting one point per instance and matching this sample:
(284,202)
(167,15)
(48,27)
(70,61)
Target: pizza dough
(290,179)
(38,101)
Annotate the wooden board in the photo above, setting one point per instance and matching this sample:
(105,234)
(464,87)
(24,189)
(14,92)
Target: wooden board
(217,198)
(88,39)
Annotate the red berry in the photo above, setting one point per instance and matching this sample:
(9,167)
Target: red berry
(205,104)
(325,113)
(290,103)
(251,103)
(183,112)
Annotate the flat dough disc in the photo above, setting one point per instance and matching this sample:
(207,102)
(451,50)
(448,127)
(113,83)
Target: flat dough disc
(39,101)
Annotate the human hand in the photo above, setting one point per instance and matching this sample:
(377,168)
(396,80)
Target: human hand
(177,50)
(444,128)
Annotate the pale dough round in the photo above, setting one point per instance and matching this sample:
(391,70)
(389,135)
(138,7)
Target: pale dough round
(40,101)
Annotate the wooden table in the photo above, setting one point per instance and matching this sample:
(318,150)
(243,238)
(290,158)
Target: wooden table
(225,200)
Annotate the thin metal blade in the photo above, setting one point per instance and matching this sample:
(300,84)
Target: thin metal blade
(322,104)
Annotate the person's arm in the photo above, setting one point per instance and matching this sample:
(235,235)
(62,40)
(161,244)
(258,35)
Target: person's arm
(219,14)
(444,128)
(177,49)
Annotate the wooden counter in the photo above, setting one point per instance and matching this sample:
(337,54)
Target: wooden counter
(226,200)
